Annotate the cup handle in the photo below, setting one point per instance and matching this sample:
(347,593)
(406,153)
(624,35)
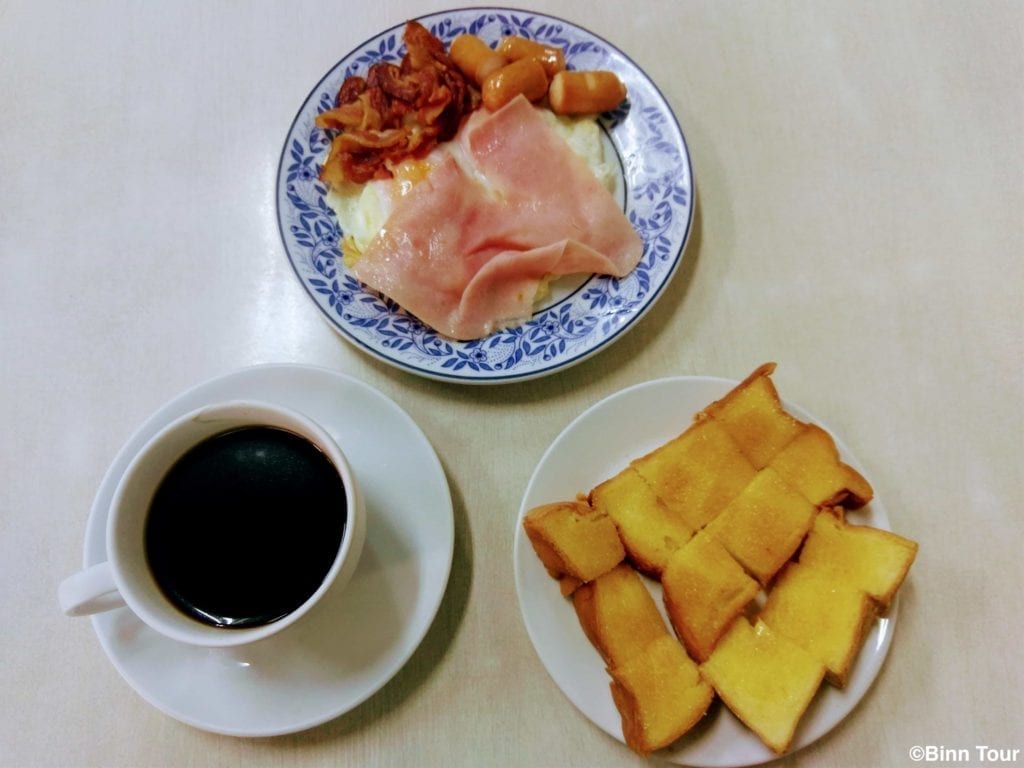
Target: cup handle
(90,591)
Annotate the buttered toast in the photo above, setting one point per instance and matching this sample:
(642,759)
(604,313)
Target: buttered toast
(872,559)
(764,525)
(704,590)
(811,464)
(822,613)
(698,473)
(753,415)
(767,680)
(649,530)
(618,614)
(750,520)
(660,695)
(575,542)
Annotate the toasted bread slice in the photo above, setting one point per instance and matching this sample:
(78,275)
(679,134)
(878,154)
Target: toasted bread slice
(811,464)
(704,590)
(871,559)
(618,614)
(765,679)
(697,473)
(822,614)
(660,695)
(764,525)
(754,416)
(573,541)
(650,532)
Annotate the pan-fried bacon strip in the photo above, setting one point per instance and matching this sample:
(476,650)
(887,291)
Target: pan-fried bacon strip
(395,111)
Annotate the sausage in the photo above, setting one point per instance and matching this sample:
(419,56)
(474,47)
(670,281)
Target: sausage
(525,76)
(514,48)
(475,58)
(586,92)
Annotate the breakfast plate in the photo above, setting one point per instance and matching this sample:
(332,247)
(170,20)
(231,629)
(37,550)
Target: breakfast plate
(593,448)
(356,639)
(581,316)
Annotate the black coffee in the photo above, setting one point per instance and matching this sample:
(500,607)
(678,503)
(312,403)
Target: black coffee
(245,526)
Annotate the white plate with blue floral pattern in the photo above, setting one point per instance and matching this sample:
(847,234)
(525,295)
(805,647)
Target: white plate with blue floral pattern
(581,317)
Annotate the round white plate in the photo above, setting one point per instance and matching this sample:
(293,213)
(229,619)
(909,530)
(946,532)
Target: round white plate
(656,189)
(595,446)
(354,641)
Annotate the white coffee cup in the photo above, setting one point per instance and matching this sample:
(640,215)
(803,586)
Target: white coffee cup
(125,578)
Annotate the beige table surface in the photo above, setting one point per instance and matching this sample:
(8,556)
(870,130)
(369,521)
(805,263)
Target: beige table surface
(861,189)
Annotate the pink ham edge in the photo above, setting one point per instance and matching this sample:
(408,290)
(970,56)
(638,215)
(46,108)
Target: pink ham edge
(466,263)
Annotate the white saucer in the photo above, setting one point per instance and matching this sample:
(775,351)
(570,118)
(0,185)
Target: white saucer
(595,446)
(357,638)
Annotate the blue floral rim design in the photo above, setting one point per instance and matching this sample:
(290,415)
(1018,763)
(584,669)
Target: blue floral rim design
(658,184)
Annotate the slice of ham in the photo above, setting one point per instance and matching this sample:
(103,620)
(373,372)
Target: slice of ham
(468,256)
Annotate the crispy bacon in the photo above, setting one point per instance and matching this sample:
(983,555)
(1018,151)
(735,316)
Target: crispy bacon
(350,89)
(395,111)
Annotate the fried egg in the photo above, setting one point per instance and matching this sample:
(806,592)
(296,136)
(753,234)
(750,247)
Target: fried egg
(363,209)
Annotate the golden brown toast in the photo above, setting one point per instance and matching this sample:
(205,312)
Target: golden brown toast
(765,679)
(822,614)
(871,559)
(704,590)
(650,532)
(660,695)
(618,614)
(573,541)
(743,499)
(811,464)
(764,525)
(753,414)
(697,473)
